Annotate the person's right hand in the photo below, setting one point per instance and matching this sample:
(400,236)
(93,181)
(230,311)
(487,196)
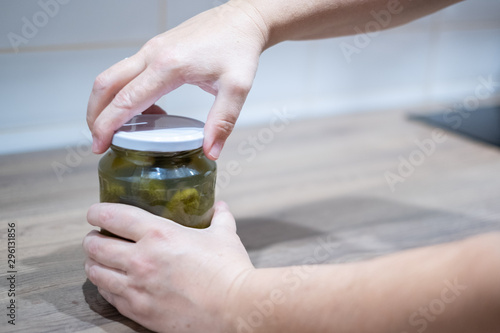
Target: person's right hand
(217,50)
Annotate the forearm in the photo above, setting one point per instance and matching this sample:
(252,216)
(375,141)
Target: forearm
(446,288)
(297,19)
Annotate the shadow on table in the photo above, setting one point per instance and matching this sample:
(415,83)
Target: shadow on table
(260,232)
(59,279)
(100,306)
(358,228)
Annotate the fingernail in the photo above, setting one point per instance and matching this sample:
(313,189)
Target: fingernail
(216,149)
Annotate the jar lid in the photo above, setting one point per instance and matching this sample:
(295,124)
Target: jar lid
(160,133)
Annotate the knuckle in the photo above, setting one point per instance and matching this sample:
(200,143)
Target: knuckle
(97,131)
(151,45)
(141,307)
(224,126)
(92,275)
(142,267)
(90,119)
(120,288)
(156,234)
(100,129)
(85,241)
(86,265)
(115,285)
(90,212)
(163,59)
(93,248)
(101,83)
(170,64)
(124,100)
(105,216)
(238,86)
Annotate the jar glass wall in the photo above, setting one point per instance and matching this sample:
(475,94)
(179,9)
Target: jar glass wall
(179,185)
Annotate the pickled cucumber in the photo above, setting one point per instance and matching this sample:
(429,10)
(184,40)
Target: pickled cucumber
(179,187)
(139,158)
(153,191)
(111,192)
(120,163)
(187,200)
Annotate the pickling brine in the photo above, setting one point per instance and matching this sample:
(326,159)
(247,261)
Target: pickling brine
(165,172)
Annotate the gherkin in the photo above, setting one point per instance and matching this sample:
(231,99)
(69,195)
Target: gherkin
(177,186)
(153,191)
(112,192)
(120,163)
(139,158)
(187,200)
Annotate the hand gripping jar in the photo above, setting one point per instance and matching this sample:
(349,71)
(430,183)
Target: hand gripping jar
(156,162)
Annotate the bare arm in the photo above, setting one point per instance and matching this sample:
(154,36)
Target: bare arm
(447,288)
(218,50)
(178,279)
(299,20)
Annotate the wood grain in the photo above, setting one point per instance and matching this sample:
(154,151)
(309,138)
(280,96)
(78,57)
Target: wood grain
(315,186)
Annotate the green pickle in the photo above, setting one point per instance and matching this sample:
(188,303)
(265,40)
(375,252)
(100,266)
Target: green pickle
(187,201)
(179,186)
(152,191)
(113,192)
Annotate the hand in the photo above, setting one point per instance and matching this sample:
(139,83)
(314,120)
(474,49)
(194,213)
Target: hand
(217,50)
(173,278)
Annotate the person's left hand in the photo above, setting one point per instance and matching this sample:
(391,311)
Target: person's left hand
(170,277)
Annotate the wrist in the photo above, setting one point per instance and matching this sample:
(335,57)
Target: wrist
(257,302)
(258,19)
(242,294)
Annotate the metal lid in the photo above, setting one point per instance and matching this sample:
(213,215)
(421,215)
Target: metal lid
(160,133)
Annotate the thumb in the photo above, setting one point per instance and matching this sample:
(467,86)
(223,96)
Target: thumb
(223,218)
(222,117)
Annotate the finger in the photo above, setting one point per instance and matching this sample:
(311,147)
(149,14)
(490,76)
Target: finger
(109,82)
(116,300)
(125,221)
(106,277)
(154,109)
(122,304)
(223,115)
(108,251)
(107,296)
(223,218)
(142,92)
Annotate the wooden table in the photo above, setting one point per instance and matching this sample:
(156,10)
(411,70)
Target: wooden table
(298,188)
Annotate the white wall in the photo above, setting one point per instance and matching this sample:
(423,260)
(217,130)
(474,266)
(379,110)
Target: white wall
(44,86)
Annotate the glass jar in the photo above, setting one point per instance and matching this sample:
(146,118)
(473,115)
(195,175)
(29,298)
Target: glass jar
(156,162)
